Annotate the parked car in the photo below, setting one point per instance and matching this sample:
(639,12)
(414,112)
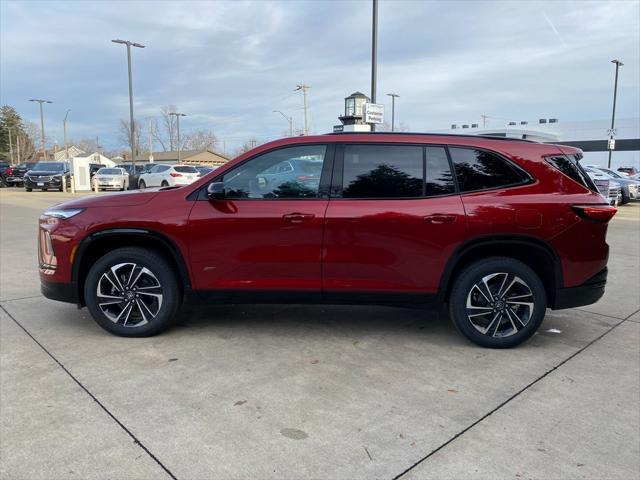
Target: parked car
(628,170)
(107,177)
(629,186)
(134,176)
(15,174)
(498,229)
(204,170)
(47,176)
(168,176)
(4,166)
(609,188)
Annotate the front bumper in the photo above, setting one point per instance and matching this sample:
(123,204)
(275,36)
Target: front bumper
(62,292)
(14,179)
(55,182)
(589,292)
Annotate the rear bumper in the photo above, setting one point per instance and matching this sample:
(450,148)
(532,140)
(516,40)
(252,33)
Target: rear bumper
(62,292)
(589,292)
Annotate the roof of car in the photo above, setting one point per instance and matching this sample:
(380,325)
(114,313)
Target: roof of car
(412,134)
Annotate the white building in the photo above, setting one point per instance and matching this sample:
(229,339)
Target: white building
(590,136)
(81,168)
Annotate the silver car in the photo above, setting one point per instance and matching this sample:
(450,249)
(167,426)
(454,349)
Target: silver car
(114,178)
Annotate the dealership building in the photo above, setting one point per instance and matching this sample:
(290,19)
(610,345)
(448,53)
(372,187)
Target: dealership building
(591,136)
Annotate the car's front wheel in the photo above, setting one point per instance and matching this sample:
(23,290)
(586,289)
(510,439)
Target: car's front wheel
(132,292)
(497,302)
(142,185)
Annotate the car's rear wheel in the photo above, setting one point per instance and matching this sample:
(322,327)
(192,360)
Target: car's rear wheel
(132,292)
(497,302)
(27,189)
(142,185)
(164,183)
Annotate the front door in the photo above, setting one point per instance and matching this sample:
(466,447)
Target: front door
(388,231)
(266,234)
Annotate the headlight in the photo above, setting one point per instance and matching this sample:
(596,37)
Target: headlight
(63,213)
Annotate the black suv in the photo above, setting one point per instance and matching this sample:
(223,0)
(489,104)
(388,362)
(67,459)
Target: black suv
(15,175)
(47,176)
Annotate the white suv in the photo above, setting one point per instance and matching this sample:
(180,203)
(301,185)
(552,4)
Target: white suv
(168,176)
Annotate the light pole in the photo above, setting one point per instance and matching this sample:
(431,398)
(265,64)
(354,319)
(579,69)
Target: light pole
(304,89)
(131,121)
(178,115)
(44,149)
(393,109)
(10,146)
(613,114)
(374,55)
(64,129)
(288,119)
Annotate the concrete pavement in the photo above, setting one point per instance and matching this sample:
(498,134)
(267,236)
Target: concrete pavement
(313,392)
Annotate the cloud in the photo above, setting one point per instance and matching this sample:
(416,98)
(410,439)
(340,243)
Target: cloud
(228,65)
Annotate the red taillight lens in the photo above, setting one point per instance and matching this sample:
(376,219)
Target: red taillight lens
(173,174)
(9,171)
(596,213)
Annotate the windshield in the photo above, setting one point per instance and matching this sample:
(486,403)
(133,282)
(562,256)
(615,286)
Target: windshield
(48,166)
(109,171)
(185,169)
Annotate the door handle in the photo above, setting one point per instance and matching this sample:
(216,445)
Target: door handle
(439,218)
(298,217)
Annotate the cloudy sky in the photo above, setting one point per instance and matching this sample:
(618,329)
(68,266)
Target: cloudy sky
(228,65)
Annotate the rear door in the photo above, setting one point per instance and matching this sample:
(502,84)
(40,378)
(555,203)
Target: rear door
(387,230)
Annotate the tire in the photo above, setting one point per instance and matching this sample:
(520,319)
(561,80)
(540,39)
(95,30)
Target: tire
(142,185)
(164,183)
(150,316)
(625,199)
(27,189)
(514,321)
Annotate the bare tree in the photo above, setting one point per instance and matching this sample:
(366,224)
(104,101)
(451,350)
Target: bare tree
(123,135)
(199,140)
(169,125)
(26,141)
(246,146)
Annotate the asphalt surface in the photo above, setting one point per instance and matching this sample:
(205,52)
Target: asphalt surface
(289,392)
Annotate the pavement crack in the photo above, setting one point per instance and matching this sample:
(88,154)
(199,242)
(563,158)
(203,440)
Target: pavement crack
(93,397)
(512,397)
(19,298)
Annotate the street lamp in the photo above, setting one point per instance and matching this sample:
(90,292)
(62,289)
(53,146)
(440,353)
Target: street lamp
(288,119)
(178,115)
(131,121)
(393,109)
(40,101)
(613,115)
(64,128)
(374,55)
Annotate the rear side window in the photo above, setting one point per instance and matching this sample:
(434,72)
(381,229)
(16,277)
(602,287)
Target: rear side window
(480,170)
(568,164)
(185,169)
(382,171)
(439,176)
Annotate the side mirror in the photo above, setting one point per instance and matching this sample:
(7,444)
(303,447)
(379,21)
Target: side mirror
(215,191)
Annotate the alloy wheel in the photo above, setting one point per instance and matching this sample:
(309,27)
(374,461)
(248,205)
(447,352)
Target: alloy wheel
(500,305)
(129,294)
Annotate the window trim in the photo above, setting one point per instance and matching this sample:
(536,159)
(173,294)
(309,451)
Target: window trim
(323,187)
(527,180)
(338,172)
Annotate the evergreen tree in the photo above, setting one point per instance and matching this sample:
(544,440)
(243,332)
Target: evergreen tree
(10,119)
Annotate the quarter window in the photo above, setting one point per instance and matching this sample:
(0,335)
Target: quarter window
(570,166)
(292,172)
(382,171)
(479,170)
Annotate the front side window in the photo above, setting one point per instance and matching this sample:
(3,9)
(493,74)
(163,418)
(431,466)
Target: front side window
(480,170)
(292,172)
(382,171)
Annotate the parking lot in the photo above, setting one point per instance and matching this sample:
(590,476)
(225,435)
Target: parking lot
(296,391)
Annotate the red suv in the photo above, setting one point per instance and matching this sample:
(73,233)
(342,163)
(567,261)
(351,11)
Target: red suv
(498,229)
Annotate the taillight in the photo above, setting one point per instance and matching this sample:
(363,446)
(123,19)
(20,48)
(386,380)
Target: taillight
(302,178)
(173,174)
(9,171)
(596,213)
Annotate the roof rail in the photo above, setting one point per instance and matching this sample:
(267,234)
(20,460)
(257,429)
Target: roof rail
(490,137)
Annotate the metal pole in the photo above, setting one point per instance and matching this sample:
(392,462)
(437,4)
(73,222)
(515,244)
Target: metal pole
(613,114)
(179,145)
(10,147)
(304,89)
(374,55)
(149,133)
(393,109)
(131,120)
(44,151)
(66,145)
(18,146)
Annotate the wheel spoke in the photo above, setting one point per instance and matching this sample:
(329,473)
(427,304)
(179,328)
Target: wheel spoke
(112,302)
(481,292)
(133,269)
(511,314)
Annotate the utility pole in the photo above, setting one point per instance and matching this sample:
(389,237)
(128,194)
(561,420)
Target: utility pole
(132,126)
(44,148)
(150,138)
(64,127)
(10,147)
(18,146)
(613,114)
(178,115)
(484,120)
(393,110)
(288,119)
(304,89)
(374,56)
